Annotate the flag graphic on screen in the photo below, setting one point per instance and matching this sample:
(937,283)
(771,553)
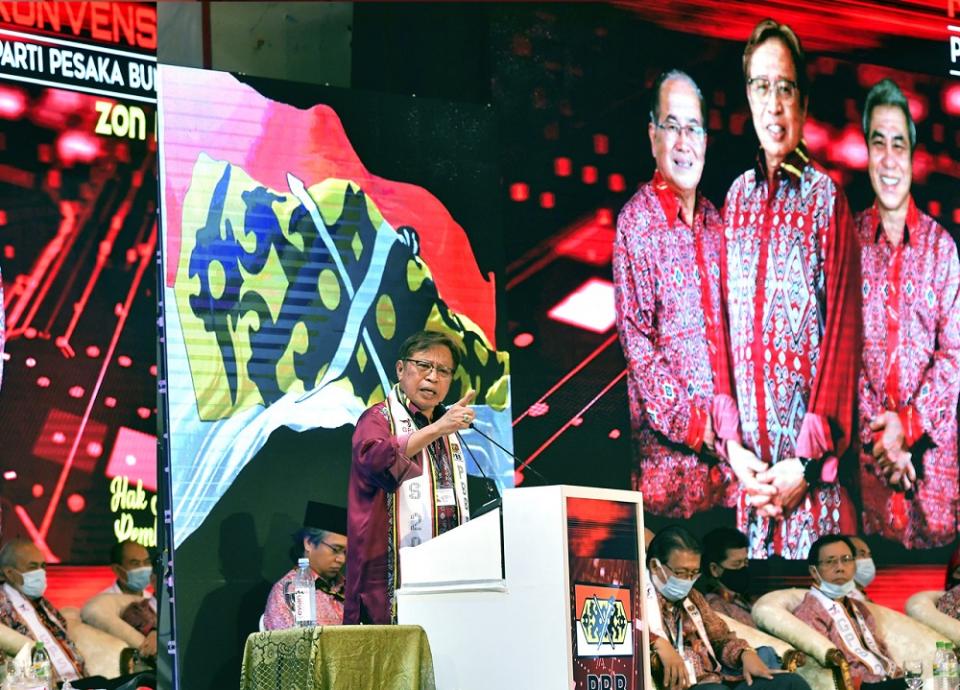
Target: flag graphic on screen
(288,291)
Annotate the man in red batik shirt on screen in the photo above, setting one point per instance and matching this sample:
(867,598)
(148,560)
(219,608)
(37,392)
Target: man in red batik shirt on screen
(911,331)
(792,286)
(666,271)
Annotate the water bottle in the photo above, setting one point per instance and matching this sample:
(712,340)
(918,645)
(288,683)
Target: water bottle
(304,596)
(950,672)
(40,666)
(939,679)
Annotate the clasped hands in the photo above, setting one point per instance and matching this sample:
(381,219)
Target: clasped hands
(890,451)
(771,491)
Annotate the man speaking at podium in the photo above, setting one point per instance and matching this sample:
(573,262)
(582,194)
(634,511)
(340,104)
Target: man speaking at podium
(408,477)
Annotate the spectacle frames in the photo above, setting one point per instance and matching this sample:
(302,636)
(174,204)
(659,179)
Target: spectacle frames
(337,549)
(761,88)
(425,368)
(674,129)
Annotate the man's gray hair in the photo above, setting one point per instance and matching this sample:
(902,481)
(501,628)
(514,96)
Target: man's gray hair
(886,92)
(314,535)
(10,551)
(670,75)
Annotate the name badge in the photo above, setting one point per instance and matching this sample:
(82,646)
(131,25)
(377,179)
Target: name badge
(445,497)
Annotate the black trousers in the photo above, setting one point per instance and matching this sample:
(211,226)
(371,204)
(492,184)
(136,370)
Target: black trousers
(128,682)
(780,681)
(888,684)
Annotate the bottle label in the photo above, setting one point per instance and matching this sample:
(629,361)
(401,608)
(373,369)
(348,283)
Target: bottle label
(301,603)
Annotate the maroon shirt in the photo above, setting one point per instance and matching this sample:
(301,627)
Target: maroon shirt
(379,465)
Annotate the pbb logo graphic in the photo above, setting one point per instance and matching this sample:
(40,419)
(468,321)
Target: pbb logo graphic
(604,619)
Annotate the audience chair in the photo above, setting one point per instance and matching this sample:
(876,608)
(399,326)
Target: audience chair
(101,651)
(905,638)
(791,658)
(922,606)
(104,612)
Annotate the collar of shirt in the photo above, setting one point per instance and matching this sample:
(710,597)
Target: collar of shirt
(334,589)
(792,165)
(910,228)
(670,201)
(419,418)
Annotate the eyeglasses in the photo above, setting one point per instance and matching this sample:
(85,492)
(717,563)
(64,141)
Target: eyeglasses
(683,573)
(426,367)
(760,89)
(673,130)
(834,562)
(337,549)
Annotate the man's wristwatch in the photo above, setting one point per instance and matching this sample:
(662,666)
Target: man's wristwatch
(811,470)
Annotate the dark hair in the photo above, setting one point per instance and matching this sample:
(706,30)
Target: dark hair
(813,558)
(886,92)
(670,75)
(116,551)
(313,535)
(717,542)
(423,340)
(670,539)
(769,29)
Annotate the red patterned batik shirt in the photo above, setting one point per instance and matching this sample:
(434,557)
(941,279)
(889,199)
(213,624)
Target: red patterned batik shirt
(792,275)
(911,352)
(669,315)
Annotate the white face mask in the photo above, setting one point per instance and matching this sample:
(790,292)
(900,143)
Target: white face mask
(866,571)
(673,589)
(139,578)
(835,591)
(34,583)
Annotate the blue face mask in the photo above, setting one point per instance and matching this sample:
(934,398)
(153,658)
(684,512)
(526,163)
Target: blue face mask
(139,578)
(674,589)
(866,571)
(836,591)
(34,583)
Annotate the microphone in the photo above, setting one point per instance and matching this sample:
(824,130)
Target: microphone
(473,427)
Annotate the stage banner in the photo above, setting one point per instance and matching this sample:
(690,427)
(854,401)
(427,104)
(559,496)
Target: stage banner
(78,237)
(606,595)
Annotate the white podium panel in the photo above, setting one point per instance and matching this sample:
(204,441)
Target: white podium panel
(544,593)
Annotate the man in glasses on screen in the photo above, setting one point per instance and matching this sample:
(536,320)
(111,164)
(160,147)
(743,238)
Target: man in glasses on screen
(792,292)
(323,541)
(666,271)
(829,609)
(910,379)
(408,478)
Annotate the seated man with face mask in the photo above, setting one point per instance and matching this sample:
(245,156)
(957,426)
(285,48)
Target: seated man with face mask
(24,608)
(725,582)
(830,609)
(694,645)
(131,564)
(865,569)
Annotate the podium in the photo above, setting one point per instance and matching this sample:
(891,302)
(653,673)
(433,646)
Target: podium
(544,593)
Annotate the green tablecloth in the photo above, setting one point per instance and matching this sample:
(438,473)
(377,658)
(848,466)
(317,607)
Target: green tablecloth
(352,657)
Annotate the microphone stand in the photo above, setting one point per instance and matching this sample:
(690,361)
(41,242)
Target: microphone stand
(493,502)
(473,427)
